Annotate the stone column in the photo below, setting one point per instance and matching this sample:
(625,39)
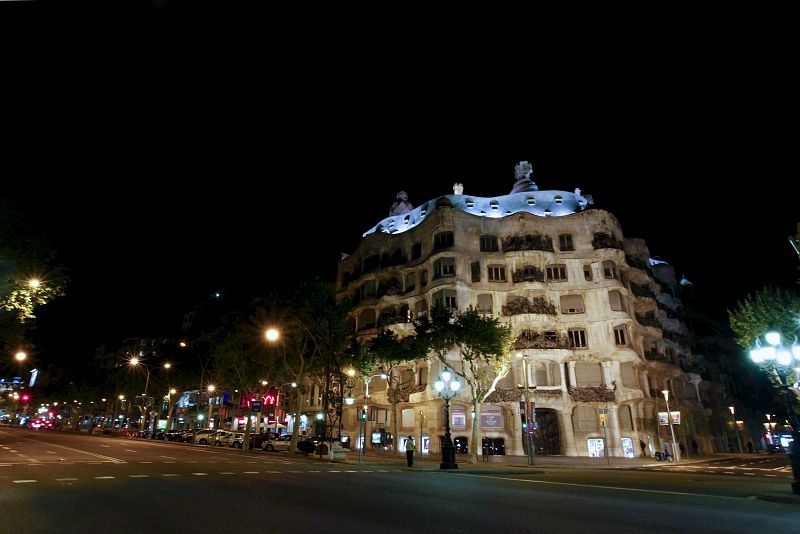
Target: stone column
(614,436)
(645,383)
(572,380)
(607,380)
(567,432)
(563,377)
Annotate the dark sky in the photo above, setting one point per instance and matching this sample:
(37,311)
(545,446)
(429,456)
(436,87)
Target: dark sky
(167,156)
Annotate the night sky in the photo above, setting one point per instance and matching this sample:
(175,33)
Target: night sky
(176,166)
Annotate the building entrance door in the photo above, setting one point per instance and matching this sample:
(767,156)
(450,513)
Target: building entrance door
(548,435)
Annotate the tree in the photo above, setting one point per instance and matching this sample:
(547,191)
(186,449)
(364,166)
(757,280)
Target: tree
(28,278)
(768,309)
(386,353)
(482,354)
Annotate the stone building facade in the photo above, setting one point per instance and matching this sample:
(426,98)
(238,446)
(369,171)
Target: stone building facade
(594,317)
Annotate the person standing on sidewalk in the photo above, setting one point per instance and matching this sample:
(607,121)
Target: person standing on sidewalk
(410,447)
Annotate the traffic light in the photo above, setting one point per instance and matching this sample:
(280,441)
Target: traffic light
(25,397)
(524,421)
(363,414)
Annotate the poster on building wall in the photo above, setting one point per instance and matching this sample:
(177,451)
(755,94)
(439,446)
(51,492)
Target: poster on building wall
(662,418)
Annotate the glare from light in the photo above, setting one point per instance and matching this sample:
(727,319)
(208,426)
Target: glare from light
(773,338)
(273,334)
(34,282)
(20,356)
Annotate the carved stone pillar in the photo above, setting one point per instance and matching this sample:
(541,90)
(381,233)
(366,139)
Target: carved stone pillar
(607,380)
(563,377)
(567,433)
(645,383)
(614,437)
(572,380)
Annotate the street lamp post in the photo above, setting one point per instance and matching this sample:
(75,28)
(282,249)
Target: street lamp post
(529,417)
(736,428)
(211,408)
(675,451)
(447,387)
(362,416)
(776,359)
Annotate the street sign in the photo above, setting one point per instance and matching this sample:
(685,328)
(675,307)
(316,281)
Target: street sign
(255,406)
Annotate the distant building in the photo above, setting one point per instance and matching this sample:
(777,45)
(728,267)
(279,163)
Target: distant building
(596,318)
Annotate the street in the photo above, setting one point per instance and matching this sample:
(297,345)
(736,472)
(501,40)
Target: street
(57,482)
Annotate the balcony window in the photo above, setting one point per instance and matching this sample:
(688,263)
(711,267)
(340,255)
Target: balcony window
(588,374)
(497,273)
(410,278)
(572,304)
(620,338)
(616,300)
(556,273)
(446,298)
(485,303)
(489,243)
(587,272)
(444,267)
(416,251)
(475,271)
(577,338)
(609,269)
(442,240)
(565,242)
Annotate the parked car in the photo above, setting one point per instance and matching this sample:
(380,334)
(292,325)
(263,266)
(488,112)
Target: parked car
(223,437)
(306,445)
(204,437)
(775,447)
(282,443)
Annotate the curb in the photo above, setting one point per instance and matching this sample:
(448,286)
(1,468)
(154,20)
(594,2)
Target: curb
(788,498)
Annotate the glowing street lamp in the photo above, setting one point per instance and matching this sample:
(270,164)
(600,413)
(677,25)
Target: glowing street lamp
(782,363)
(447,387)
(20,356)
(675,451)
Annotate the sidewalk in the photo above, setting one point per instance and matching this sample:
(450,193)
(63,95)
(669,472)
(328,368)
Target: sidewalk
(507,464)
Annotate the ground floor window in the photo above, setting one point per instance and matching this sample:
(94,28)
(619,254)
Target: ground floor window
(461,444)
(596,447)
(627,448)
(493,446)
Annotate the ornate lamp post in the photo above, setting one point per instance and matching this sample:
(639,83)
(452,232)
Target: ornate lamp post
(782,363)
(362,415)
(530,418)
(675,451)
(447,387)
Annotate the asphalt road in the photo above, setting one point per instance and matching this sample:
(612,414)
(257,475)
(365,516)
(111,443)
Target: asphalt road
(771,466)
(52,482)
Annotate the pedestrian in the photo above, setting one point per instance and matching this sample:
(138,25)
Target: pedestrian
(410,451)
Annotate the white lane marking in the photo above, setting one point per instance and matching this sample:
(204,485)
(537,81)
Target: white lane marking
(365,471)
(299,471)
(6,465)
(170,475)
(145,462)
(602,487)
(24,481)
(11,450)
(65,479)
(109,458)
(250,472)
(382,471)
(729,473)
(751,474)
(168,462)
(106,446)
(312,471)
(200,474)
(227,473)
(329,470)
(170,457)
(351,471)
(129,450)
(273,472)
(50,452)
(103,478)
(139,476)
